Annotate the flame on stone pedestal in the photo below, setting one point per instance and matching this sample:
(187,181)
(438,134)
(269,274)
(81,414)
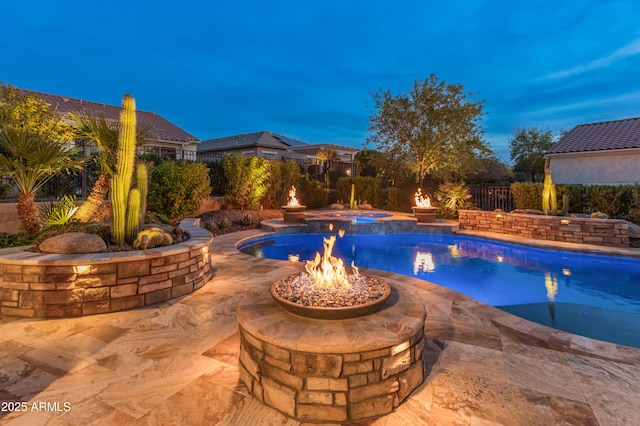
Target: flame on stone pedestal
(421,201)
(329,270)
(293,201)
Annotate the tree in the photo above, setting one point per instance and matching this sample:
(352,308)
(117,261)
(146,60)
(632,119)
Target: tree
(247,178)
(21,111)
(434,127)
(35,145)
(105,134)
(528,149)
(31,159)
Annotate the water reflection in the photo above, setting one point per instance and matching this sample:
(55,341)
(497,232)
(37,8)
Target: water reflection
(423,262)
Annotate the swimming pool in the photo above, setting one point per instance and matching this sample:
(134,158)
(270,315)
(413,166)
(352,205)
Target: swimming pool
(591,295)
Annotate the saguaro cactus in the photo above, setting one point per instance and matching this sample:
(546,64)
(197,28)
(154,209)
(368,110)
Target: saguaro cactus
(549,196)
(142,183)
(121,182)
(352,201)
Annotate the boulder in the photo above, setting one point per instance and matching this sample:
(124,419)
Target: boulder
(634,230)
(73,243)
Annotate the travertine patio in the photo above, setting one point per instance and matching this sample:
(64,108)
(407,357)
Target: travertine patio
(177,363)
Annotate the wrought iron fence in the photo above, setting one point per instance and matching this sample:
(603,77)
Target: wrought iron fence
(491,197)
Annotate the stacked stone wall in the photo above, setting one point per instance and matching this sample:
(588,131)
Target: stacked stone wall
(605,232)
(335,387)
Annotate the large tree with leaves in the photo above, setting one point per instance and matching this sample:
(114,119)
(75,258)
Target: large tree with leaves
(528,148)
(433,127)
(104,133)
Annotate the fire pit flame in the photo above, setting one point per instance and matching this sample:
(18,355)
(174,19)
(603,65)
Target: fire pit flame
(293,201)
(328,270)
(421,201)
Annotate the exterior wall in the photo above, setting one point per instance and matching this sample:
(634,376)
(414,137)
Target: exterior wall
(593,168)
(604,232)
(37,285)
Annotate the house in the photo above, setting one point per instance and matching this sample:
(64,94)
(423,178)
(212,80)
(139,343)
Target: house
(167,139)
(272,146)
(281,147)
(605,153)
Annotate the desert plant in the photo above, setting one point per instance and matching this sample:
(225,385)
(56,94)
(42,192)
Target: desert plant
(177,190)
(30,160)
(142,183)
(151,238)
(550,197)
(366,188)
(57,213)
(125,207)
(105,135)
(247,178)
(247,220)
(454,196)
(224,223)
(211,226)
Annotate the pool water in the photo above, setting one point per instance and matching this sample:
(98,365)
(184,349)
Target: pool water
(591,295)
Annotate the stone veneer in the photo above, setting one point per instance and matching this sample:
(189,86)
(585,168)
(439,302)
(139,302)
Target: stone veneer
(40,285)
(332,370)
(605,232)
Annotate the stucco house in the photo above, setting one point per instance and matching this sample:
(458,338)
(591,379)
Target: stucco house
(605,153)
(167,139)
(272,146)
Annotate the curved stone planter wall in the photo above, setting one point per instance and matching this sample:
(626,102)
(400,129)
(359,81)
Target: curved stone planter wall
(40,285)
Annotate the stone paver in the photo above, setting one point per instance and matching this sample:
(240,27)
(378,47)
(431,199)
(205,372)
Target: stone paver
(177,363)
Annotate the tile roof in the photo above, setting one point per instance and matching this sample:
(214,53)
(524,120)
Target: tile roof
(603,136)
(161,129)
(250,140)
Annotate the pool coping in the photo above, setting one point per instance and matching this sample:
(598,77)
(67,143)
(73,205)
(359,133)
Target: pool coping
(529,332)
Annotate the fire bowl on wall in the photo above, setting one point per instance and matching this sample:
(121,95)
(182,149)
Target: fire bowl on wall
(332,312)
(294,213)
(425,214)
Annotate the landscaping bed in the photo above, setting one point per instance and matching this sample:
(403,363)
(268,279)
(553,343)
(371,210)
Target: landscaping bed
(221,222)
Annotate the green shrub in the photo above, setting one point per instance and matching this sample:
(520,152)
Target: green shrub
(247,178)
(14,240)
(366,189)
(217,178)
(282,175)
(527,195)
(312,193)
(613,200)
(177,190)
(455,196)
(576,195)
(399,199)
(210,225)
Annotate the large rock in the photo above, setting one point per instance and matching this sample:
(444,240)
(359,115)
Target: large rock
(634,230)
(73,243)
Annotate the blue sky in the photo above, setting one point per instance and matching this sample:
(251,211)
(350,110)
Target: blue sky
(306,68)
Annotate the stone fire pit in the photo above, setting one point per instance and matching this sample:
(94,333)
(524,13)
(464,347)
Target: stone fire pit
(425,214)
(341,370)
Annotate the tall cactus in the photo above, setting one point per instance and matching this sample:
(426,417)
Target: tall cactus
(132,226)
(121,182)
(549,196)
(142,183)
(352,201)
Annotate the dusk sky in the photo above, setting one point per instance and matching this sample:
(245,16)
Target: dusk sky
(306,68)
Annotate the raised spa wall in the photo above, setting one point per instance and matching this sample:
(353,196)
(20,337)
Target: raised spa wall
(605,232)
(37,285)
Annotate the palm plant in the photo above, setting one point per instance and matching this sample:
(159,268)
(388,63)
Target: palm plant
(30,159)
(105,134)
